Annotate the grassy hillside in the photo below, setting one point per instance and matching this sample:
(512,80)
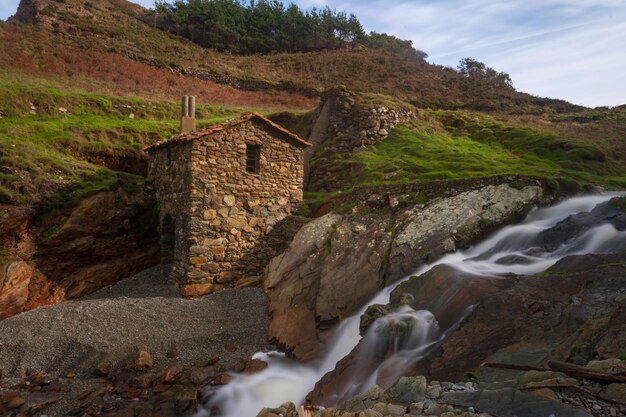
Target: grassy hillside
(460,144)
(78,62)
(114,27)
(57,143)
(85,85)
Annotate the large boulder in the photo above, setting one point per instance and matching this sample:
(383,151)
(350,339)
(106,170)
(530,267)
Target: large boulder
(450,223)
(331,268)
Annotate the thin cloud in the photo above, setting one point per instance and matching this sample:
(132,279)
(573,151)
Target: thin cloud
(557,48)
(530,37)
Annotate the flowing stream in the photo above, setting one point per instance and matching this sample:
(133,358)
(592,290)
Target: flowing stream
(410,335)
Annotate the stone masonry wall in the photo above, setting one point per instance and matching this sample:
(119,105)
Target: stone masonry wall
(170,174)
(233,211)
(360,125)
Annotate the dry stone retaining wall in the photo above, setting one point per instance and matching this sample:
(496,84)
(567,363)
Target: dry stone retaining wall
(353,126)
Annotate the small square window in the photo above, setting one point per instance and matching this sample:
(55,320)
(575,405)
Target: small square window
(253,156)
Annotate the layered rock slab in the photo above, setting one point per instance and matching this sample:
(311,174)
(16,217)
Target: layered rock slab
(336,263)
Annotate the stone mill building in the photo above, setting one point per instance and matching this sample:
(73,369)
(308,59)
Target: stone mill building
(219,192)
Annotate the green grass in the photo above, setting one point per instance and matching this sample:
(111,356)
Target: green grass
(474,146)
(470,377)
(43,156)
(428,155)
(520,139)
(19,92)
(299,123)
(314,200)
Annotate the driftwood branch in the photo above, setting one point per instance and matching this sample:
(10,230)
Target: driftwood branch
(564,367)
(572,387)
(513,366)
(583,372)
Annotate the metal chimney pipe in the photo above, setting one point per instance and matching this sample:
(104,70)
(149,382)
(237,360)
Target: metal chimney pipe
(188,114)
(191,107)
(185,107)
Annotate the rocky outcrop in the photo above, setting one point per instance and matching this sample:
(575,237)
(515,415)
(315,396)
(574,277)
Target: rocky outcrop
(371,120)
(107,237)
(26,12)
(46,14)
(329,258)
(15,274)
(444,225)
(347,123)
(15,279)
(69,253)
(338,262)
(14,222)
(573,311)
(528,397)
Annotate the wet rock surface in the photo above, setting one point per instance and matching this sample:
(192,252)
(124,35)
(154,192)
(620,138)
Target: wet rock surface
(571,312)
(444,225)
(418,397)
(361,252)
(310,281)
(560,315)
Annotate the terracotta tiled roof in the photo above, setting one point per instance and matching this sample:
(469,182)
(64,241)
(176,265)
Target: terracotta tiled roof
(185,137)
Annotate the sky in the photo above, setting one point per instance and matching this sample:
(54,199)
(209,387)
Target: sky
(569,49)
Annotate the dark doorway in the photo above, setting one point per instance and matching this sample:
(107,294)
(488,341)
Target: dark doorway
(168,240)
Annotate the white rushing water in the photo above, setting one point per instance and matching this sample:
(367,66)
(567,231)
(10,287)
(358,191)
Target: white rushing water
(512,249)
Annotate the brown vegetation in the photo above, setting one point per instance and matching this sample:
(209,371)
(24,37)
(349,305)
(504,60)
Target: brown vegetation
(114,27)
(40,53)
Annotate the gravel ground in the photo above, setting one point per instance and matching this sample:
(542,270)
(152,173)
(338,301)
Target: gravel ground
(142,313)
(150,283)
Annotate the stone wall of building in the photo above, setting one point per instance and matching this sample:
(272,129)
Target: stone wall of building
(232,211)
(170,174)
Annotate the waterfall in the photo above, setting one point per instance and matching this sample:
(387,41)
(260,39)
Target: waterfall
(405,336)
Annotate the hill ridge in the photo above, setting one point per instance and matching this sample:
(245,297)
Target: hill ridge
(116,26)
